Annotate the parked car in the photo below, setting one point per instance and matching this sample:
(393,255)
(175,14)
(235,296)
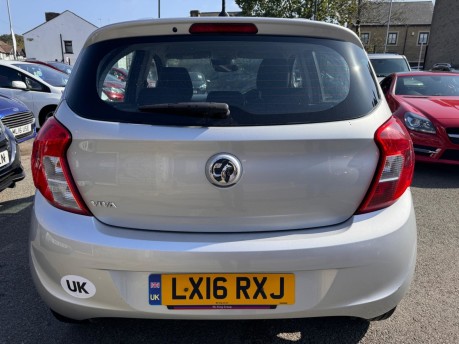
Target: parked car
(11,170)
(113,88)
(199,82)
(427,103)
(18,118)
(442,67)
(40,88)
(268,198)
(119,73)
(386,64)
(50,75)
(61,66)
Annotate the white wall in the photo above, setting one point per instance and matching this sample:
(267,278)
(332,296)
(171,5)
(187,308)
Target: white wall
(44,42)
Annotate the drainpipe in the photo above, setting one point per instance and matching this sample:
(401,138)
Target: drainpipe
(388,25)
(406,35)
(62,48)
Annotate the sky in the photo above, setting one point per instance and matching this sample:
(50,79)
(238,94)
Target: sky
(28,14)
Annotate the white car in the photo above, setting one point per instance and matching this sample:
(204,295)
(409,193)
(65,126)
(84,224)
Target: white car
(386,64)
(39,87)
(283,191)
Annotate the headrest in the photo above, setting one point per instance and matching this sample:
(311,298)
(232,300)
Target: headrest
(173,86)
(175,78)
(174,83)
(273,74)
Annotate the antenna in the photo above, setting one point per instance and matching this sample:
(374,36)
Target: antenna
(223,12)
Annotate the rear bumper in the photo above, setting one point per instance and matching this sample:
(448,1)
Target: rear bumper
(361,268)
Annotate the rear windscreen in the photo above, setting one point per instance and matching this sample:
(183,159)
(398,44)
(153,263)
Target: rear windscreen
(386,66)
(188,80)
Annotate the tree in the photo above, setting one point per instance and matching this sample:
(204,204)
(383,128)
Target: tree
(343,12)
(19,41)
(334,11)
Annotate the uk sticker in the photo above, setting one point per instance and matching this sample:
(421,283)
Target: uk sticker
(154,290)
(78,286)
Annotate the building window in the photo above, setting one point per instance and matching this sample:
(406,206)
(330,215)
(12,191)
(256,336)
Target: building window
(68,48)
(392,38)
(365,38)
(423,38)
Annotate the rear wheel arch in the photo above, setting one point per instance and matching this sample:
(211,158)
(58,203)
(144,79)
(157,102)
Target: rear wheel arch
(46,113)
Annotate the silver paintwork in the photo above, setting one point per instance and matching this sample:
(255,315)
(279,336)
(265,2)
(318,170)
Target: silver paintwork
(266,26)
(295,176)
(361,267)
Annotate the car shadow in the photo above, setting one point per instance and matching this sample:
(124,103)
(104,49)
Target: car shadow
(315,330)
(13,207)
(436,176)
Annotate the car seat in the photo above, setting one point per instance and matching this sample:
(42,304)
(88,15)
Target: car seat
(173,86)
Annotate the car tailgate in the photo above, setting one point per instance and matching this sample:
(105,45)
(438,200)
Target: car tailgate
(153,177)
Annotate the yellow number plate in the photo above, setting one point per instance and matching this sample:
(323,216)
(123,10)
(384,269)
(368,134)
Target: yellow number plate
(222,289)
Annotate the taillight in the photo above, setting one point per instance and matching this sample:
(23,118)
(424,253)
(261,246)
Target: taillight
(222,28)
(395,169)
(50,169)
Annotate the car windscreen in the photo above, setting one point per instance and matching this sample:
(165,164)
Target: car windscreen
(386,66)
(47,74)
(428,85)
(63,67)
(246,80)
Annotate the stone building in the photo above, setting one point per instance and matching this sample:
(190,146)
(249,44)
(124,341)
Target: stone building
(408,32)
(444,40)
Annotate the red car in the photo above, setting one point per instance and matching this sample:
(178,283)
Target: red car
(114,88)
(119,73)
(428,104)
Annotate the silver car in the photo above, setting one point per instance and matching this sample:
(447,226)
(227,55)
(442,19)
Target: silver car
(280,192)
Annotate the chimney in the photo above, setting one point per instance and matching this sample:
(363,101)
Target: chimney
(51,15)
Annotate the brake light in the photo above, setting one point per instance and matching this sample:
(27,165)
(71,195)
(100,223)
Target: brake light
(50,169)
(223,28)
(395,169)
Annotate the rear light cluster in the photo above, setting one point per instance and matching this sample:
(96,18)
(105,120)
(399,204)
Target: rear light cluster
(50,169)
(395,169)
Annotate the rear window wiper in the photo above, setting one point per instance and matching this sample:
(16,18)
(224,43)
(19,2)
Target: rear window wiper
(198,109)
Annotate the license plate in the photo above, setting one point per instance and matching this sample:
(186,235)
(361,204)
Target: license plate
(23,129)
(4,158)
(221,290)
